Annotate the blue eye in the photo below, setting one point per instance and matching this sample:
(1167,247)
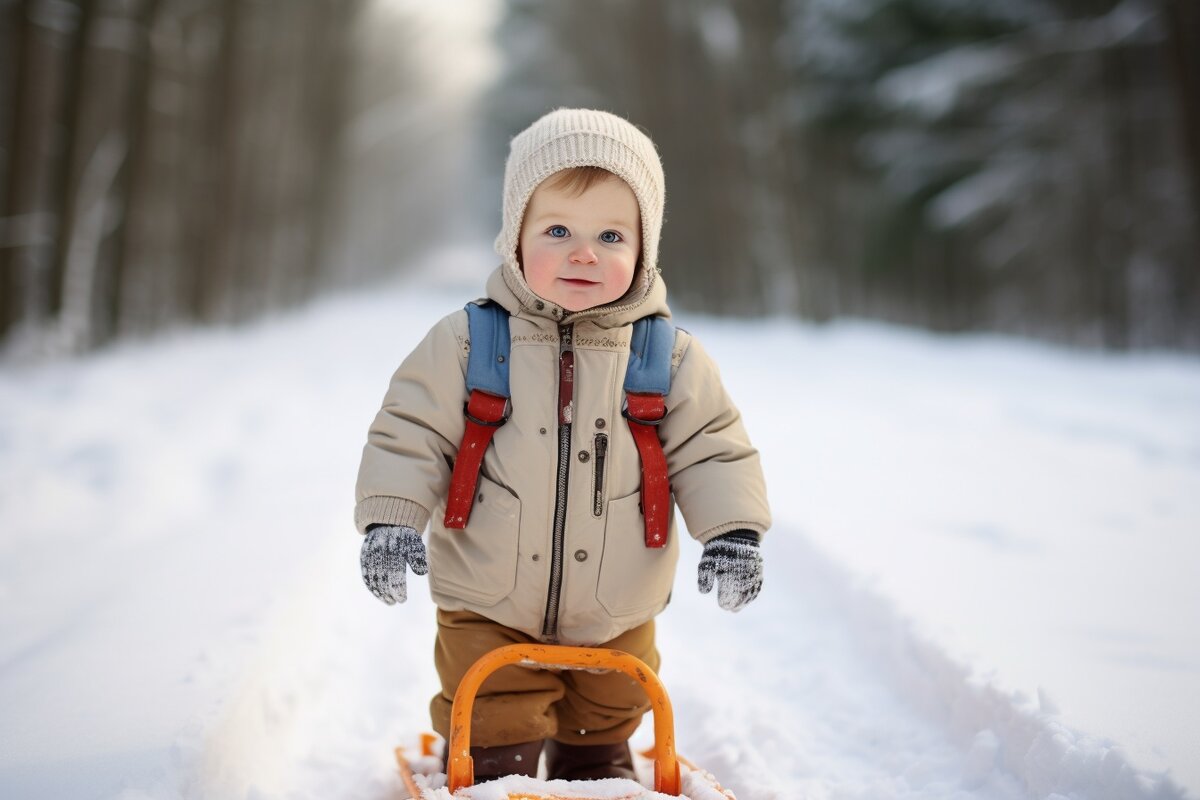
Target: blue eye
(610,237)
(557,231)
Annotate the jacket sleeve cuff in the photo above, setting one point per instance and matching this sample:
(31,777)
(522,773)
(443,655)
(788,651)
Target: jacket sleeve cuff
(382,510)
(712,533)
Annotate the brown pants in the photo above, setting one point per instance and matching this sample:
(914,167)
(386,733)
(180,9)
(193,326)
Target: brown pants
(518,704)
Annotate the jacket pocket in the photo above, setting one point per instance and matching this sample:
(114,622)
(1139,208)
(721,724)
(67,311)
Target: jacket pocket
(634,578)
(478,563)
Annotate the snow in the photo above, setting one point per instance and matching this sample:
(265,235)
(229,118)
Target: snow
(608,789)
(989,188)
(932,87)
(720,31)
(980,583)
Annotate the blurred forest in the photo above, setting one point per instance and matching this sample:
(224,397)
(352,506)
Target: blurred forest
(1027,166)
(166,162)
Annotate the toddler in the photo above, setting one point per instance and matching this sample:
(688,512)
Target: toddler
(553,545)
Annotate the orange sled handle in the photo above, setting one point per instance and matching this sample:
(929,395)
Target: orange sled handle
(461,770)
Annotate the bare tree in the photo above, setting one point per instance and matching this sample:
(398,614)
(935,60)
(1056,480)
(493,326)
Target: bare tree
(169,160)
(44,33)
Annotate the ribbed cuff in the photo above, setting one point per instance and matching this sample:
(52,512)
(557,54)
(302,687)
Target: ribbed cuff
(713,533)
(382,510)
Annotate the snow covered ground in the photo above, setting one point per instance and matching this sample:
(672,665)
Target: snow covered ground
(981,583)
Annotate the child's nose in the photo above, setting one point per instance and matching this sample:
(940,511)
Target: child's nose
(583,255)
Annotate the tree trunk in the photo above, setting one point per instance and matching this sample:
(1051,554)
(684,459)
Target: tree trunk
(27,259)
(221,228)
(1183,32)
(72,163)
(327,107)
(131,181)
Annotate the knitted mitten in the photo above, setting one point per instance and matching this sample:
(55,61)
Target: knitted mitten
(386,551)
(734,562)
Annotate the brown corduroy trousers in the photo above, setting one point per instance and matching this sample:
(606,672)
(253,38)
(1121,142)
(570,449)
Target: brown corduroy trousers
(519,704)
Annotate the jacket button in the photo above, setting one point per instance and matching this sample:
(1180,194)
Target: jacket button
(536,557)
(600,423)
(540,305)
(542,431)
(581,555)
(584,455)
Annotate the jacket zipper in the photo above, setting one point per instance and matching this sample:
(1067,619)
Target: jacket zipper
(601,451)
(566,395)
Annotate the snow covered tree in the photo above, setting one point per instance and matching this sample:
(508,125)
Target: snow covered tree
(1028,157)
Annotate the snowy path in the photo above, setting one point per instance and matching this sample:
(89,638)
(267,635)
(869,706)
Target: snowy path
(811,714)
(182,615)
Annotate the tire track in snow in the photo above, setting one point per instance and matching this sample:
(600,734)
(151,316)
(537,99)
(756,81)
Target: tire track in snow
(829,693)
(796,706)
(816,690)
(779,701)
(782,700)
(339,682)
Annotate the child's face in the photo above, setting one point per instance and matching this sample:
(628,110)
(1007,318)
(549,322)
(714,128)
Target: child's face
(580,251)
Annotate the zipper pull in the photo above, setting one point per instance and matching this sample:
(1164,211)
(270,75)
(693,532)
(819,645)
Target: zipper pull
(601,448)
(566,376)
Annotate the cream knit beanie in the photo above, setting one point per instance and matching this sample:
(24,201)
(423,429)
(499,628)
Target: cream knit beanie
(580,137)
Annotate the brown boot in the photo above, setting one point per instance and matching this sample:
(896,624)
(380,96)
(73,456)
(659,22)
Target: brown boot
(579,762)
(506,759)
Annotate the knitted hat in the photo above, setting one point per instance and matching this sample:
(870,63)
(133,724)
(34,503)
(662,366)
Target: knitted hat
(580,137)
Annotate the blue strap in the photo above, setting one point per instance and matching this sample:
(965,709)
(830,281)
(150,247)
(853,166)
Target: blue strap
(487,363)
(649,370)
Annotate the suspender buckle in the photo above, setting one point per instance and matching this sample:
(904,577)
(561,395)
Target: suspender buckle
(488,423)
(653,423)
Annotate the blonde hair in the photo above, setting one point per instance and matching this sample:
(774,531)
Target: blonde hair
(577,180)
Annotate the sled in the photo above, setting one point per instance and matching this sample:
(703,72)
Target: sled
(451,777)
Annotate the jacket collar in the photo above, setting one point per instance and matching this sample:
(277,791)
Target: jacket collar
(647,296)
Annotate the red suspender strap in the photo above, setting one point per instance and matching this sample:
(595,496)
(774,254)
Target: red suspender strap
(484,413)
(644,412)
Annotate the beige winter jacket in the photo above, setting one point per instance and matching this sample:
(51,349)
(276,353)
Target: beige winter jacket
(501,565)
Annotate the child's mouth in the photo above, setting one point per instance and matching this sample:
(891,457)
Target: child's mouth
(578,282)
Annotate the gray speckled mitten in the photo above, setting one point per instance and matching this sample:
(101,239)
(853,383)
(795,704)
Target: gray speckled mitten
(734,562)
(387,552)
